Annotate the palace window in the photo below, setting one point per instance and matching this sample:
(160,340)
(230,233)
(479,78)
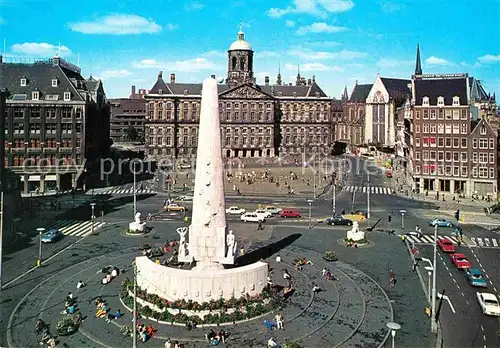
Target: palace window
(425,101)
(35,95)
(67,96)
(23,82)
(440,101)
(456,100)
(54,82)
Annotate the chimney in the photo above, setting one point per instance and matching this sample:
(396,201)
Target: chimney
(309,82)
(133,90)
(160,75)
(266,80)
(172,78)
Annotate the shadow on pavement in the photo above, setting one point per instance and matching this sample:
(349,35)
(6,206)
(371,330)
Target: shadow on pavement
(267,251)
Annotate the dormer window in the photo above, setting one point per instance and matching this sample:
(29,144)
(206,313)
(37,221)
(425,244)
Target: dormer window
(440,101)
(317,94)
(295,94)
(456,100)
(24,82)
(35,95)
(160,91)
(54,82)
(67,96)
(425,101)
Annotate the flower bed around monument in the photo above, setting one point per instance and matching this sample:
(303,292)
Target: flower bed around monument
(214,312)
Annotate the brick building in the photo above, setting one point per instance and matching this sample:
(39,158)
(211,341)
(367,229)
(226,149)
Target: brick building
(454,151)
(350,127)
(256,120)
(56,124)
(127,118)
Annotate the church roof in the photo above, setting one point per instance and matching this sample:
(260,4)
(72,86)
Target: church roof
(477,92)
(360,93)
(396,87)
(240,44)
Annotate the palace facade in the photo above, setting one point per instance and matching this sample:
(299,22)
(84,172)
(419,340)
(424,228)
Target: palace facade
(257,120)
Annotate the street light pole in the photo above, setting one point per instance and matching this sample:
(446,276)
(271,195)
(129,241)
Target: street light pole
(134,318)
(334,199)
(1,237)
(429,273)
(40,232)
(403,222)
(93,217)
(433,320)
(135,196)
(310,211)
(368,197)
(393,327)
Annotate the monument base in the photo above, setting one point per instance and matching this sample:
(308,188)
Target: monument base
(135,227)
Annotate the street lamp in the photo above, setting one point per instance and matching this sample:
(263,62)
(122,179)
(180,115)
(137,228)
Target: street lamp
(135,195)
(310,210)
(368,197)
(93,216)
(394,327)
(429,273)
(402,221)
(40,232)
(433,319)
(134,313)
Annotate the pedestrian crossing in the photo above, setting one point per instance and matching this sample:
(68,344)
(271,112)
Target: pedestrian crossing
(76,228)
(371,189)
(475,242)
(119,191)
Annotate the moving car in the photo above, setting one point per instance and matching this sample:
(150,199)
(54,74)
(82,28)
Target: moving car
(175,207)
(272,209)
(489,303)
(235,211)
(252,217)
(441,223)
(475,278)
(388,173)
(416,233)
(51,236)
(286,213)
(446,245)
(339,220)
(265,214)
(186,198)
(355,217)
(460,261)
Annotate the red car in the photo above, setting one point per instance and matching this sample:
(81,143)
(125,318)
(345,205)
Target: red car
(286,213)
(460,261)
(388,173)
(446,245)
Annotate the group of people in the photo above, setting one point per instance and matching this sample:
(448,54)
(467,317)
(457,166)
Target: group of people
(216,337)
(109,273)
(327,274)
(145,332)
(42,328)
(175,344)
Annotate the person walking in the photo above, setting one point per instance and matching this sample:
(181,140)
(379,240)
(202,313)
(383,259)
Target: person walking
(261,226)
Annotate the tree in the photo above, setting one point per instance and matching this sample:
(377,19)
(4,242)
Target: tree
(132,134)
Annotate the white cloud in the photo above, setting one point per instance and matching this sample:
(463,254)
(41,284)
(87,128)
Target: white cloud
(2,21)
(325,43)
(191,65)
(464,64)
(262,54)
(306,54)
(436,61)
(117,24)
(148,64)
(41,49)
(313,67)
(194,6)
(393,63)
(318,8)
(215,53)
(319,27)
(489,58)
(290,23)
(390,7)
(172,27)
(109,74)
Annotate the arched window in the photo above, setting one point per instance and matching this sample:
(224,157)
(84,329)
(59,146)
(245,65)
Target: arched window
(242,63)
(233,63)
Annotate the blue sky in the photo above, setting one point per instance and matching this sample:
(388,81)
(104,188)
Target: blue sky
(128,42)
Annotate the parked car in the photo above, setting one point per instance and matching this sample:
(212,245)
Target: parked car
(460,261)
(175,207)
(287,213)
(51,236)
(272,209)
(338,220)
(446,245)
(235,211)
(252,217)
(265,214)
(475,278)
(441,223)
(388,173)
(489,303)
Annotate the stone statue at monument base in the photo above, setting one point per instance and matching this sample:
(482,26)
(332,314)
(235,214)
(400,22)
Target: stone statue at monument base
(137,226)
(355,235)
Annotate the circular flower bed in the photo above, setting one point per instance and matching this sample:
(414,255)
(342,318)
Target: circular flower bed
(330,256)
(66,326)
(219,311)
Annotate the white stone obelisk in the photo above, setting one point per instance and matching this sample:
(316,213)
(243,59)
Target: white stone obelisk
(207,233)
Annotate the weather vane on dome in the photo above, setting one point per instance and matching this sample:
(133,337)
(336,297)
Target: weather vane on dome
(241,25)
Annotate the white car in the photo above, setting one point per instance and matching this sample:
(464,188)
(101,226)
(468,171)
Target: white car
(186,198)
(272,210)
(252,217)
(489,303)
(235,211)
(264,213)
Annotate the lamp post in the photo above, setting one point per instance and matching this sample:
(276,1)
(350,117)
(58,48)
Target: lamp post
(393,327)
(310,211)
(429,273)
(402,221)
(434,265)
(40,232)
(1,237)
(135,195)
(368,197)
(134,316)
(93,216)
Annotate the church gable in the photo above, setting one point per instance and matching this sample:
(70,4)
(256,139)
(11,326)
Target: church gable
(245,92)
